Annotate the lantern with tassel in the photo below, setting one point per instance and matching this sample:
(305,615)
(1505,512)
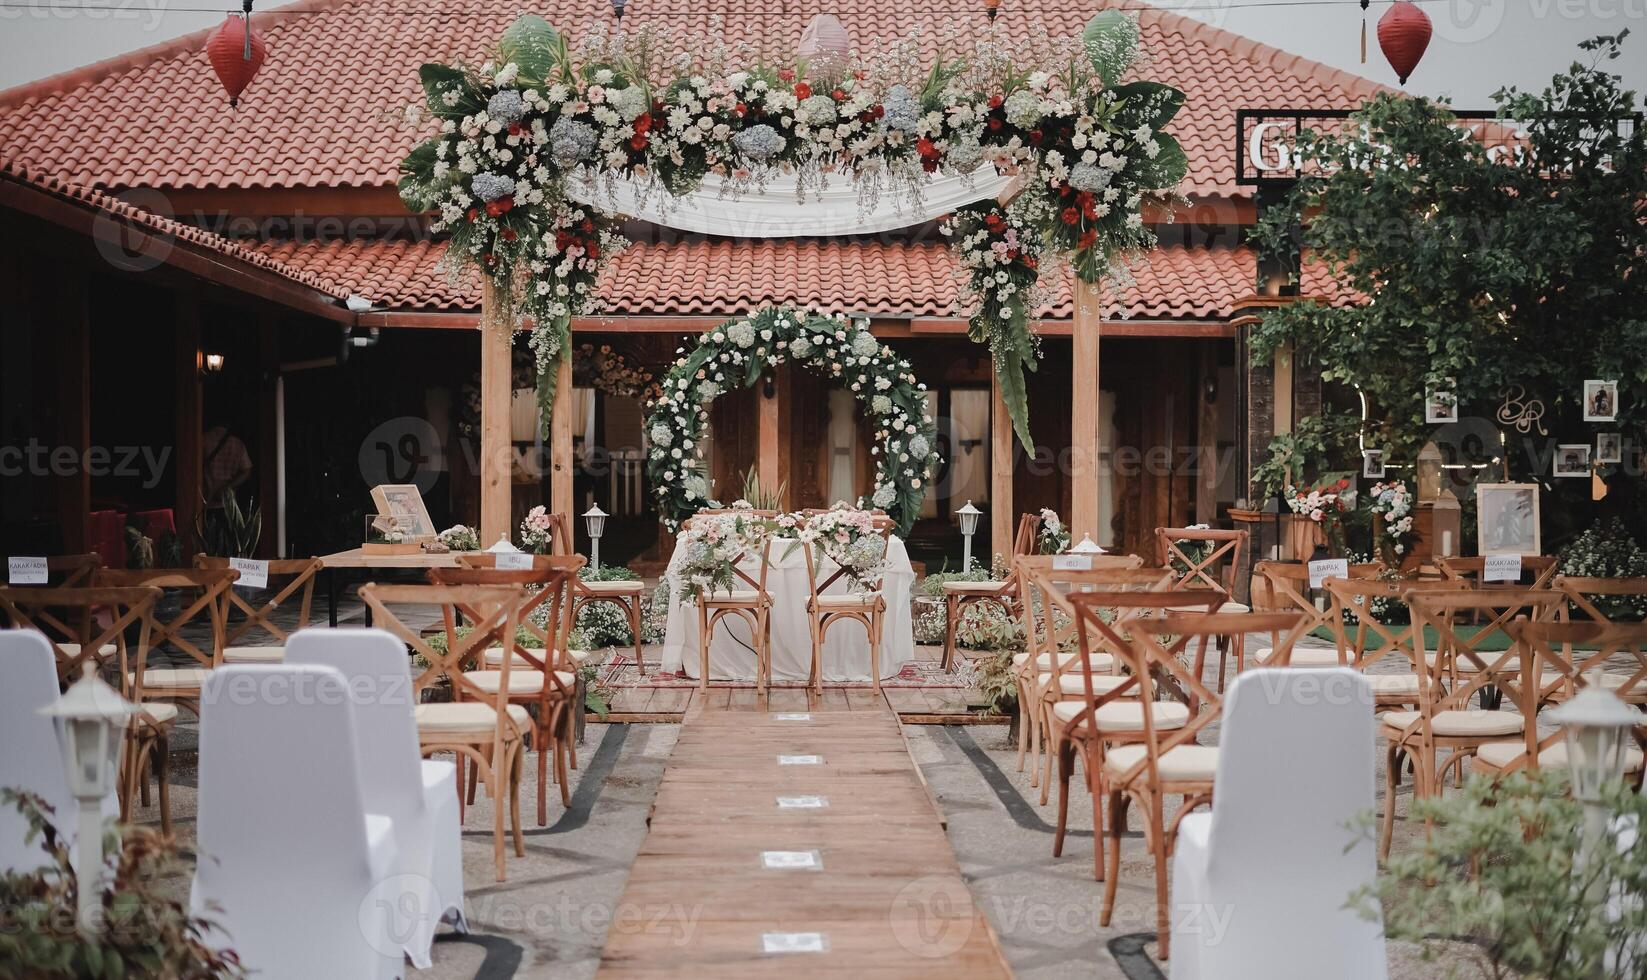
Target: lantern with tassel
(991,7)
(1403,33)
(236,50)
(826,45)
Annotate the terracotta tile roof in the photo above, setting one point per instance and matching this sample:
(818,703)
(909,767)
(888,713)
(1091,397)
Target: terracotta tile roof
(164,230)
(323,111)
(726,277)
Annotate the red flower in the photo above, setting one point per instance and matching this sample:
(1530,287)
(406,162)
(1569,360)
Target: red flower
(994,124)
(588,226)
(803,90)
(507,203)
(1035,137)
(514,129)
(592,250)
(489,258)
(929,165)
(1088,238)
(638,141)
(1071,216)
(995,101)
(1029,260)
(786,75)
(643,123)
(1343,484)
(839,95)
(563,241)
(494,208)
(509,234)
(473,214)
(740,108)
(927,149)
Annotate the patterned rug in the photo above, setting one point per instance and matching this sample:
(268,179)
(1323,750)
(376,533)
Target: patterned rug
(620,671)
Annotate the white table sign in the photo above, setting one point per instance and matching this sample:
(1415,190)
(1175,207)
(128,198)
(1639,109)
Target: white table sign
(794,942)
(26,570)
(802,802)
(1501,568)
(254,574)
(1072,563)
(792,860)
(514,561)
(800,760)
(1328,568)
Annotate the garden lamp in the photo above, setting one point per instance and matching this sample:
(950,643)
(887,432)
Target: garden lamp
(969,526)
(594,520)
(1595,723)
(91,711)
(1086,546)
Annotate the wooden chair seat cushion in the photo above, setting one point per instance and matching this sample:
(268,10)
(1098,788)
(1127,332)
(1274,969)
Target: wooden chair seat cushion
(494,658)
(1127,716)
(1304,656)
(857,602)
(163,679)
(1181,763)
(1231,606)
(736,597)
(157,713)
(473,718)
(1393,684)
(615,588)
(1100,661)
(73,649)
(1464,665)
(1457,724)
(527,681)
(1501,754)
(1070,684)
(973,588)
(254,655)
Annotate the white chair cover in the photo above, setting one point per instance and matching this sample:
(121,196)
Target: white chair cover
(1260,883)
(417,794)
(292,867)
(32,757)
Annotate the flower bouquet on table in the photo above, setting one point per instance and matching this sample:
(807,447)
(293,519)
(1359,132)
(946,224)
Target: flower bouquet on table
(1320,507)
(537,534)
(711,547)
(1053,536)
(386,535)
(1392,504)
(460,538)
(848,537)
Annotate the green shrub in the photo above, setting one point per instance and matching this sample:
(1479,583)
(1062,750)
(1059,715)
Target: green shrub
(1607,550)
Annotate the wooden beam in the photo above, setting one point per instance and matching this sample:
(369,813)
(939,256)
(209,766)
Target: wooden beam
(496,388)
(1206,434)
(769,442)
(560,443)
(1001,447)
(1084,402)
(190,418)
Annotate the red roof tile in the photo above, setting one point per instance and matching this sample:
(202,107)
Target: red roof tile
(324,109)
(163,228)
(727,277)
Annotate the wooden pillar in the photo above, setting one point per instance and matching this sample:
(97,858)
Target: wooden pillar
(496,389)
(1084,402)
(1206,434)
(268,373)
(560,444)
(190,419)
(770,455)
(1001,440)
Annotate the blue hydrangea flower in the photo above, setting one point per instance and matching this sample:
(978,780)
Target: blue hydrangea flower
(489,186)
(1089,177)
(758,143)
(571,142)
(505,106)
(903,112)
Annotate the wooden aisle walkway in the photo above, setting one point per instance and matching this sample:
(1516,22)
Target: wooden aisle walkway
(796,843)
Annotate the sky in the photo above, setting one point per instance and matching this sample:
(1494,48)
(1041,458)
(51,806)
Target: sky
(1477,47)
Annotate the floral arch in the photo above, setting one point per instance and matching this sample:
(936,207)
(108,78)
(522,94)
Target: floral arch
(735,354)
(520,133)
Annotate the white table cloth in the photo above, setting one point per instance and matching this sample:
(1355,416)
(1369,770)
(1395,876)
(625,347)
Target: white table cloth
(846,648)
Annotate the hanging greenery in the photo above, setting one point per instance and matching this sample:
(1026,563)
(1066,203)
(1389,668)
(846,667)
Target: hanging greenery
(516,129)
(736,353)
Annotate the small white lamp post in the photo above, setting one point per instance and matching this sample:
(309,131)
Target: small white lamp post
(503,547)
(91,712)
(969,526)
(1595,723)
(1086,546)
(594,520)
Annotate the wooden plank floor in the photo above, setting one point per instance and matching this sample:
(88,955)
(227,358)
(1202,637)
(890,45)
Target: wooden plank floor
(888,899)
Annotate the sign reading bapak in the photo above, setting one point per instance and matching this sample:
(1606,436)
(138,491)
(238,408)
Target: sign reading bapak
(254,574)
(1328,568)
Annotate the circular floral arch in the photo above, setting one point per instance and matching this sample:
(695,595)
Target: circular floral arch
(736,353)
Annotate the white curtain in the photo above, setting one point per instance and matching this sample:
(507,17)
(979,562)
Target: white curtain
(843,446)
(969,446)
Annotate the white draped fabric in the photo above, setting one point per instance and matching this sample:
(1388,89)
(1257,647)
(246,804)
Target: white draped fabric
(846,649)
(777,212)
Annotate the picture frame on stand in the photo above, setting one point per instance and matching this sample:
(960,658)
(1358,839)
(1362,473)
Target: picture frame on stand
(1507,519)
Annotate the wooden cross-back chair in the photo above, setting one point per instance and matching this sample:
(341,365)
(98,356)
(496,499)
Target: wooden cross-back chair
(297,578)
(1445,721)
(1582,591)
(867,606)
(1163,757)
(113,650)
(1558,660)
(545,676)
(625,594)
(1217,569)
(1284,587)
(71,571)
(752,605)
(1536,571)
(1003,593)
(1374,638)
(1045,666)
(479,726)
(205,592)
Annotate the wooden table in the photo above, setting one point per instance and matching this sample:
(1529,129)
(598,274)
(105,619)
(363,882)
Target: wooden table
(358,559)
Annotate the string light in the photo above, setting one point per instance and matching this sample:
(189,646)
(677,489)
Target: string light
(456,9)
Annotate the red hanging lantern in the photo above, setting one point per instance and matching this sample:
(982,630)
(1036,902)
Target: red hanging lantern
(236,50)
(1403,34)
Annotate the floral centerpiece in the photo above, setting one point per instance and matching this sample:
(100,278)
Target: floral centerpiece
(537,531)
(1317,509)
(710,549)
(519,167)
(1392,504)
(848,537)
(1053,536)
(458,537)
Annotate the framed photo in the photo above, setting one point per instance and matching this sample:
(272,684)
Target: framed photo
(404,502)
(1572,459)
(1372,464)
(1600,401)
(1441,404)
(1609,447)
(1506,519)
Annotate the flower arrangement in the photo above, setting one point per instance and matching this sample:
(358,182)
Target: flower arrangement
(847,536)
(1053,536)
(520,132)
(537,533)
(1322,506)
(604,369)
(1392,502)
(384,529)
(1607,549)
(737,353)
(713,544)
(460,538)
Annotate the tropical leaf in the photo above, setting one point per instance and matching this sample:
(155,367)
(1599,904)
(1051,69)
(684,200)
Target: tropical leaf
(418,187)
(1111,43)
(1147,102)
(440,79)
(1167,168)
(533,46)
(1009,368)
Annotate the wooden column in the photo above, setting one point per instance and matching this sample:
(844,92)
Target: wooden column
(1206,433)
(770,455)
(1001,439)
(560,445)
(190,418)
(1084,402)
(496,388)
